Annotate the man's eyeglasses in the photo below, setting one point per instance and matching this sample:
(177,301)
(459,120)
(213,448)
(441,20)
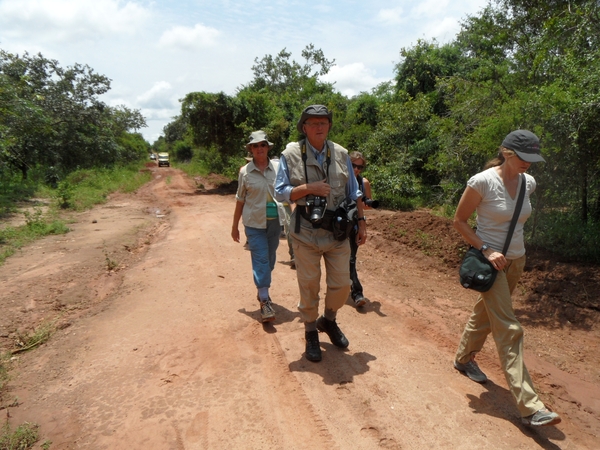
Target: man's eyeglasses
(262,144)
(316,124)
(358,166)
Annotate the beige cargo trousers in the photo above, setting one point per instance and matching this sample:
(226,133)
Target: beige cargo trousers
(310,245)
(493,312)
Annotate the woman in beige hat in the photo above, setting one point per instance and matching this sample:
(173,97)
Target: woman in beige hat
(261,215)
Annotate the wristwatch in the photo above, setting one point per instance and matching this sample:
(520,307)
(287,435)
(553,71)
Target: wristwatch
(484,247)
(362,218)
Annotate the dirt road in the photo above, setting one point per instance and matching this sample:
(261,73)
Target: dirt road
(165,350)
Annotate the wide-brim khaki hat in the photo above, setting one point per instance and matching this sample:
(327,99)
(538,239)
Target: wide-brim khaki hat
(314,111)
(256,137)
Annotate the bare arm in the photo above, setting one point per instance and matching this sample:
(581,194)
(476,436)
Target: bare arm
(466,206)
(367,192)
(237,215)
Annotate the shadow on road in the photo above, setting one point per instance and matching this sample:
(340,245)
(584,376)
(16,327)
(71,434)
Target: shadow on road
(282,315)
(498,402)
(337,367)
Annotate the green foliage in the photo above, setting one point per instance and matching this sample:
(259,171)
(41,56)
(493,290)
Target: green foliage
(22,438)
(52,116)
(85,188)
(564,234)
(183,151)
(12,190)
(395,189)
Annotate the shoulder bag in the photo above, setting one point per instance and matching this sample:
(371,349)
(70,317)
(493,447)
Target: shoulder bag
(476,272)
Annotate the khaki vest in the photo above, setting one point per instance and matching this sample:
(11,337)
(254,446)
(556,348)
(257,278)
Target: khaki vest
(338,171)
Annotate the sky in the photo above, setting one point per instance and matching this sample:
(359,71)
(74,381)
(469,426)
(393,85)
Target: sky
(156,52)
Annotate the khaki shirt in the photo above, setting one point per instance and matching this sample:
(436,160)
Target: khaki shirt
(253,187)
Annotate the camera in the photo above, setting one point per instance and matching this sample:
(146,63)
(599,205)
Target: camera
(316,207)
(370,202)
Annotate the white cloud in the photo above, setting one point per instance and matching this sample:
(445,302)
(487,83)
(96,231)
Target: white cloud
(443,30)
(159,96)
(391,16)
(189,38)
(352,79)
(68,20)
(429,8)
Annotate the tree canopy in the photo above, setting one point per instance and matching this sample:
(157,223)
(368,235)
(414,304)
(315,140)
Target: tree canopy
(51,116)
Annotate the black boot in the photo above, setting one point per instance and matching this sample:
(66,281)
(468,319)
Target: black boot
(313,350)
(333,331)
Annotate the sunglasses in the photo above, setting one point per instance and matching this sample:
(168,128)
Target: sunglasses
(262,144)
(358,166)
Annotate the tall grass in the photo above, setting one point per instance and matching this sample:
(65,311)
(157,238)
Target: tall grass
(83,189)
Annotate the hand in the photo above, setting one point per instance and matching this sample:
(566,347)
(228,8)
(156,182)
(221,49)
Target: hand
(320,188)
(235,234)
(361,236)
(496,258)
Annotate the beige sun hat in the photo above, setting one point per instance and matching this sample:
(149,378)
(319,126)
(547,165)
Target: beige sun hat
(256,137)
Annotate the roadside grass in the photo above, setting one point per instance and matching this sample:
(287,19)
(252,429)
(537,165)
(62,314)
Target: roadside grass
(193,167)
(4,376)
(21,438)
(25,435)
(80,190)
(83,189)
(13,190)
(39,335)
(37,225)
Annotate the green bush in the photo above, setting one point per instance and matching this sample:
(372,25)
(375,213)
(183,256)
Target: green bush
(183,151)
(85,188)
(395,190)
(563,233)
(13,188)
(22,438)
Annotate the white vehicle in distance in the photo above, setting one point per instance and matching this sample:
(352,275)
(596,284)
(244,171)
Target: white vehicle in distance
(163,160)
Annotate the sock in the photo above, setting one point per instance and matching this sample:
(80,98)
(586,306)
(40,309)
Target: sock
(263,294)
(310,326)
(330,314)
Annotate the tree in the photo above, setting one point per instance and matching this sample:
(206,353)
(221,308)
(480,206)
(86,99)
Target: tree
(53,116)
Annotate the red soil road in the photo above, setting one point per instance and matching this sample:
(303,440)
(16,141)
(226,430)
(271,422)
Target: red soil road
(165,351)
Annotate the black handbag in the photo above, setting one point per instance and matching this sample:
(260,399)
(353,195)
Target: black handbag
(476,272)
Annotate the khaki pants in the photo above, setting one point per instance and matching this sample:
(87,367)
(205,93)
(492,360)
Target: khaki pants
(493,312)
(309,246)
